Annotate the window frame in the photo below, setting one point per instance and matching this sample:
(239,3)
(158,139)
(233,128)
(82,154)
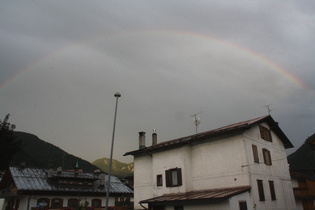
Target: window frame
(159,180)
(96,203)
(59,203)
(72,202)
(170,178)
(242,205)
(47,201)
(260,187)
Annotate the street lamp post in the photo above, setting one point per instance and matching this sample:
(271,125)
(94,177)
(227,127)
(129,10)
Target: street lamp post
(117,95)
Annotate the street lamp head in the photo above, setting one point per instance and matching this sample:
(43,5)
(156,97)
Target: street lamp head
(117,95)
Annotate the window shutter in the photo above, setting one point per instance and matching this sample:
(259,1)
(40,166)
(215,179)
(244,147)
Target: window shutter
(272,190)
(267,157)
(261,190)
(168,178)
(179,176)
(255,153)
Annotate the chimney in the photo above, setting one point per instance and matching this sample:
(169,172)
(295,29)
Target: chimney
(141,140)
(102,180)
(154,137)
(59,170)
(50,173)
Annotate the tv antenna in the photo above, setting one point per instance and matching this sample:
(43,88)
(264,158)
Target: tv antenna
(196,120)
(268,108)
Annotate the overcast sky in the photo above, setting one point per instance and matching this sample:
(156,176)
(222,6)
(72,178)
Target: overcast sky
(61,63)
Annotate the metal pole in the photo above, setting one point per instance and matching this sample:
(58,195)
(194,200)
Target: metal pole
(117,95)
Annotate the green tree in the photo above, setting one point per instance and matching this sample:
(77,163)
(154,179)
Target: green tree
(9,145)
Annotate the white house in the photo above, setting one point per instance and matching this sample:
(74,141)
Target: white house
(33,188)
(240,166)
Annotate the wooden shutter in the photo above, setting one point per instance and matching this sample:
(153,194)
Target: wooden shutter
(168,178)
(179,176)
(261,190)
(272,190)
(255,153)
(267,157)
(265,133)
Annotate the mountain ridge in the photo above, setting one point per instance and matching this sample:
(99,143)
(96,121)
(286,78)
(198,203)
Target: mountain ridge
(37,153)
(118,168)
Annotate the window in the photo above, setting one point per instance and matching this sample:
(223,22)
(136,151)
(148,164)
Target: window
(159,180)
(73,202)
(43,202)
(57,202)
(173,177)
(272,190)
(261,190)
(97,203)
(255,153)
(265,133)
(267,157)
(178,208)
(242,205)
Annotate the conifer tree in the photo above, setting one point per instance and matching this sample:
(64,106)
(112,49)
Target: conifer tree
(9,145)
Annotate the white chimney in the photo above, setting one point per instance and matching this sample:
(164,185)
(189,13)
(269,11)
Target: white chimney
(154,137)
(141,140)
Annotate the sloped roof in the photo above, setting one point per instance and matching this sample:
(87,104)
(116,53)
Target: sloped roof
(311,139)
(225,130)
(220,193)
(32,179)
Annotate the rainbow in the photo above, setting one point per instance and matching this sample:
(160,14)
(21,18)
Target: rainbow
(255,56)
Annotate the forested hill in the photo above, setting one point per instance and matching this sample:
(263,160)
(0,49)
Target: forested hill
(118,168)
(40,154)
(304,157)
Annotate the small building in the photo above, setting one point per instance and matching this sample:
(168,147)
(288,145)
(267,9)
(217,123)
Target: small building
(240,166)
(33,188)
(303,182)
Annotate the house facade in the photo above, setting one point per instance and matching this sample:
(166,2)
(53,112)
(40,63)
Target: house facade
(31,188)
(239,166)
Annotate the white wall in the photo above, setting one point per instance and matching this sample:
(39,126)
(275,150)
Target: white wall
(218,164)
(1,204)
(142,179)
(33,200)
(278,172)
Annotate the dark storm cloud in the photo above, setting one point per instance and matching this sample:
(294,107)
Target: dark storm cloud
(75,55)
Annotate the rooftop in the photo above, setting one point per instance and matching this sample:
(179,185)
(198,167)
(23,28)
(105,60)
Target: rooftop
(220,193)
(219,132)
(33,179)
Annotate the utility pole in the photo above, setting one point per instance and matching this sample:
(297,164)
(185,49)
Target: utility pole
(117,95)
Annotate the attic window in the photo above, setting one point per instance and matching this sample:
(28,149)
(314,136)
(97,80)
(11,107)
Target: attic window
(265,133)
